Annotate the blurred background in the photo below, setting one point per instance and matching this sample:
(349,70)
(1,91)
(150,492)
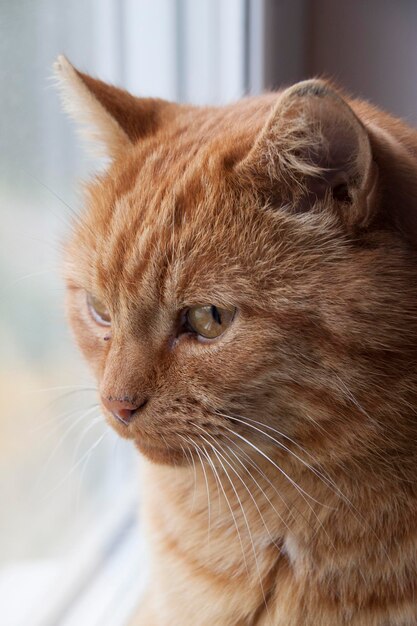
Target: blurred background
(70,551)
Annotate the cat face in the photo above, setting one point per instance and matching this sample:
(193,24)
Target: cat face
(232,274)
(159,258)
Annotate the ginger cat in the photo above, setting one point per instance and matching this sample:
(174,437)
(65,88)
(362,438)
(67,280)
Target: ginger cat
(243,283)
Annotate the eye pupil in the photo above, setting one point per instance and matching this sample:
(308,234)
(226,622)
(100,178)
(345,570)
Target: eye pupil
(216,314)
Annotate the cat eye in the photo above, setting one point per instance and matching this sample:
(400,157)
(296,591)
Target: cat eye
(209,321)
(98,310)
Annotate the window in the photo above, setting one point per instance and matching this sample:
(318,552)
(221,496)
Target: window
(68,485)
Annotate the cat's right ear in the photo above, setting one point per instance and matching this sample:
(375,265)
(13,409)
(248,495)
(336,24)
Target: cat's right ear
(110,117)
(314,149)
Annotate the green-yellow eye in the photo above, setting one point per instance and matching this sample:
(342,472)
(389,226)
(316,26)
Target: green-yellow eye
(98,310)
(209,321)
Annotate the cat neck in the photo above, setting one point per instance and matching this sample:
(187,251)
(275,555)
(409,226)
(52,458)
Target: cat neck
(206,527)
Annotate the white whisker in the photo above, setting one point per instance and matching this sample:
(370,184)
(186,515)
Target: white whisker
(325,479)
(84,467)
(58,445)
(190,441)
(302,492)
(304,495)
(208,493)
(229,506)
(255,465)
(354,401)
(94,422)
(265,477)
(72,470)
(62,388)
(188,455)
(57,421)
(245,486)
(219,456)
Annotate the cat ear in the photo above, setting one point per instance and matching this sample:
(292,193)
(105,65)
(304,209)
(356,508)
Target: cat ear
(112,117)
(313,147)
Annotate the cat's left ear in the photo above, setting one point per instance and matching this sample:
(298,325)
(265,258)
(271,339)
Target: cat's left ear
(312,148)
(111,118)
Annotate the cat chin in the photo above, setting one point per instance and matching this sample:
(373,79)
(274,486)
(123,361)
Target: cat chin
(155,453)
(161,455)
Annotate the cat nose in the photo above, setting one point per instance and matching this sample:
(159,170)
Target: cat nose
(122,408)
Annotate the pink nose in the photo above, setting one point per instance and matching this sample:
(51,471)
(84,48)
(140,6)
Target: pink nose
(122,408)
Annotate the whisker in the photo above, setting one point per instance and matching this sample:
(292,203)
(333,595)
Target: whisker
(168,447)
(84,467)
(355,512)
(304,495)
(319,426)
(265,477)
(347,392)
(255,465)
(94,422)
(61,388)
(218,455)
(283,472)
(78,463)
(32,275)
(324,479)
(190,441)
(229,506)
(290,509)
(198,448)
(208,493)
(57,421)
(62,396)
(244,484)
(59,444)
(189,455)
(53,193)
(278,432)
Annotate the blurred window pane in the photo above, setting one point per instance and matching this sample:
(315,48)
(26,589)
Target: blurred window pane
(67,483)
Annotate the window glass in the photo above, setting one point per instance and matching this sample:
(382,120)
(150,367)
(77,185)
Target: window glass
(64,476)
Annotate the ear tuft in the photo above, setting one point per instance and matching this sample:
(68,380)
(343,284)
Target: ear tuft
(110,117)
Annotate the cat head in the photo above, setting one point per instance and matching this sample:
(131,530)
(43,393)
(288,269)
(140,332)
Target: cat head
(244,270)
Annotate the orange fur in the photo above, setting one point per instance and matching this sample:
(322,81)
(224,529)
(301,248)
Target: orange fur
(279,461)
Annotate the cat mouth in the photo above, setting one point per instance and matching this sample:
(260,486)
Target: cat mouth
(121,426)
(155,450)
(120,419)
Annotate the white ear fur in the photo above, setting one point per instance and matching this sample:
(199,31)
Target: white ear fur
(97,125)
